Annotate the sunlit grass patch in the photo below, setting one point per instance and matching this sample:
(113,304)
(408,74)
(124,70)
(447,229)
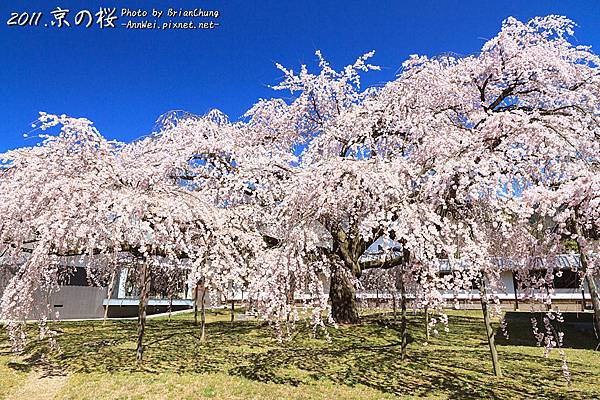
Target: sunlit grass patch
(245,359)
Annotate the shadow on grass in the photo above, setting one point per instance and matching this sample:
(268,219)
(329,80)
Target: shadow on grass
(456,364)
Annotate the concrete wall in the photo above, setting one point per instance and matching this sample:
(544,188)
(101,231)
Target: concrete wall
(77,302)
(70,302)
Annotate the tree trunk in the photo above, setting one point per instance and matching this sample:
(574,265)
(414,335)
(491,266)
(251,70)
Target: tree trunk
(489,330)
(111,290)
(592,286)
(170,306)
(203,316)
(342,296)
(232,309)
(403,323)
(145,292)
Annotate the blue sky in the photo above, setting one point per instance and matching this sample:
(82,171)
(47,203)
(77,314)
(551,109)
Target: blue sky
(124,79)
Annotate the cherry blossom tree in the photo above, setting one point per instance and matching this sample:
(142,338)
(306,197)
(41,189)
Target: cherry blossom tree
(518,119)
(450,161)
(80,194)
(442,158)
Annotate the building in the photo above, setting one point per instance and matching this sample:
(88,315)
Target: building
(78,298)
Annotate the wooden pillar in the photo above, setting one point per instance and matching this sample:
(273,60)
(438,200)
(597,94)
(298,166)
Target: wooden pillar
(488,328)
(145,293)
(516,286)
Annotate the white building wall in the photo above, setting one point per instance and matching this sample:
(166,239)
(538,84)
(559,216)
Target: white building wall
(72,302)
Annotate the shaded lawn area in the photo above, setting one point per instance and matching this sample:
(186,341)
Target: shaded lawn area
(244,360)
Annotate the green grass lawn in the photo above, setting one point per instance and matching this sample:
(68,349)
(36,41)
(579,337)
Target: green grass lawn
(244,360)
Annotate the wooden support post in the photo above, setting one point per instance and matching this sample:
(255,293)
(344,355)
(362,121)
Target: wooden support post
(111,289)
(488,328)
(203,315)
(145,293)
(404,321)
(232,309)
(516,286)
(196,304)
